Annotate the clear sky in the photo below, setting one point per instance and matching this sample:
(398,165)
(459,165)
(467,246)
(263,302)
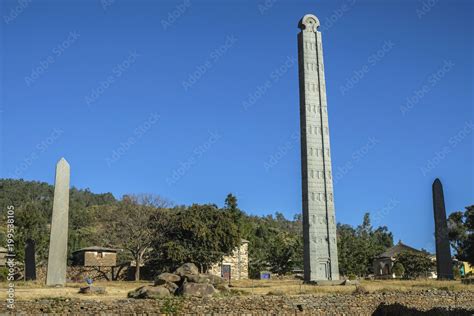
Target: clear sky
(194,99)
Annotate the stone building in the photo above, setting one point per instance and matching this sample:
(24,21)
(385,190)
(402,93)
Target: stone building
(234,266)
(95,257)
(384,262)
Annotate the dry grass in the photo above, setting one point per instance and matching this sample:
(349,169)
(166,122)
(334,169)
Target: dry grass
(119,290)
(33,290)
(293,287)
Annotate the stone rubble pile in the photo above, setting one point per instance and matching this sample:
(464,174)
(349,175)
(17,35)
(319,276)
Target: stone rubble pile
(185,281)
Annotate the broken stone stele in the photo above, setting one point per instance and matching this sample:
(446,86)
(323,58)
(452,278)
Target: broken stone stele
(444,263)
(57,258)
(319,223)
(30,260)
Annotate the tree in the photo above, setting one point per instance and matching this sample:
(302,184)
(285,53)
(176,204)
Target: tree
(32,223)
(33,202)
(231,206)
(129,225)
(469,244)
(398,269)
(357,247)
(461,233)
(201,234)
(416,264)
(284,251)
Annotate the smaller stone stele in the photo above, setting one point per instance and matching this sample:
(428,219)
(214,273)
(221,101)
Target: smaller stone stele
(30,262)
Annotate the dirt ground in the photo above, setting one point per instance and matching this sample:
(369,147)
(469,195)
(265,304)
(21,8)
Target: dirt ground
(119,290)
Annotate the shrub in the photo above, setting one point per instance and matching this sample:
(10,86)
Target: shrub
(398,269)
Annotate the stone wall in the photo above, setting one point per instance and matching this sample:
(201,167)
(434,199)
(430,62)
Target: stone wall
(79,274)
(100,259)
(399,303)
(238,261)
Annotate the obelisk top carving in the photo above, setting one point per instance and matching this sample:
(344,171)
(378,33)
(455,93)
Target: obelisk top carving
(309,23)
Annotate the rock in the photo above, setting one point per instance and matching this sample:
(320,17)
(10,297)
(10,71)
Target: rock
(148,291)
(197,289)
(187,268)
(168,277)
(215,280)
(157,292)
(196,278)
(224,288)
(204,278)
(92,290)
(139,292)
(172,287)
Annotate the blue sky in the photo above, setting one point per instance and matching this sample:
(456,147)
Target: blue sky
(192,100)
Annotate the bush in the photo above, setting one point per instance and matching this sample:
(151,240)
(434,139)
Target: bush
(398,269)
(352,276)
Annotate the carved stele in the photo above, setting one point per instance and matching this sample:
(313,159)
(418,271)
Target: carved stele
(57,259)
(319,228)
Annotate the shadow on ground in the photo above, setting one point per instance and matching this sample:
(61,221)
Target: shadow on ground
(400,310)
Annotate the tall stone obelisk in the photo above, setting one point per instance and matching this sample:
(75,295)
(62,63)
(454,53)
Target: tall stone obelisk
(57,259)
(319,223)
(444,263)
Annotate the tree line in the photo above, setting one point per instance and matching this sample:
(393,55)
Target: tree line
(160,235)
